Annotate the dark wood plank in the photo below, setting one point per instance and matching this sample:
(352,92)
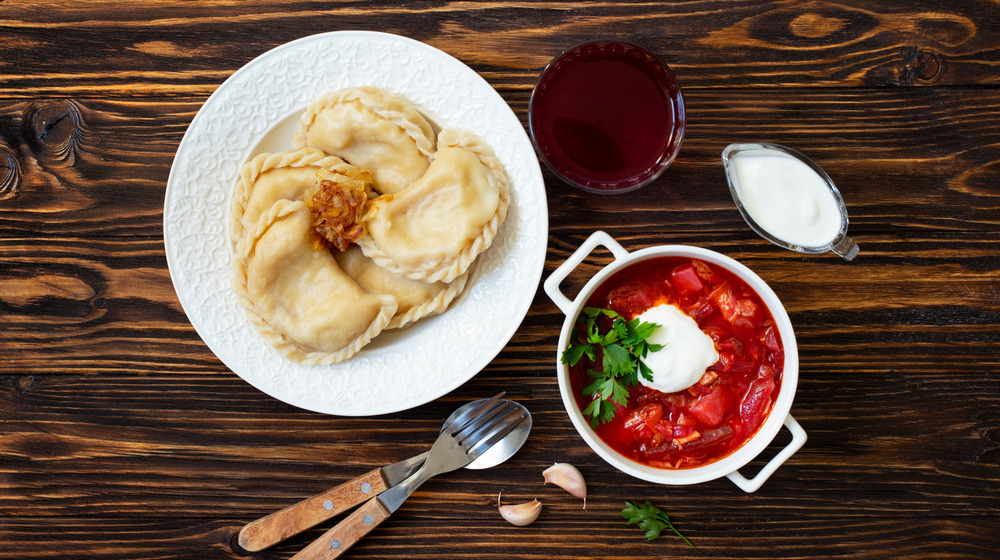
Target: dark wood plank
(152,49)
(217,424)
(78,174)
(69,311)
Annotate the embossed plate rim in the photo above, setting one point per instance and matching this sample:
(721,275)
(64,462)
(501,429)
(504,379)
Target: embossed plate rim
(408,369)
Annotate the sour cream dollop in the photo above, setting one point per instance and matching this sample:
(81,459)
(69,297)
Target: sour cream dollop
(687,351)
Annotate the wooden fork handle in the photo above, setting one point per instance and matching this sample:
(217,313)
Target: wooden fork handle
(280,525)
(345,534)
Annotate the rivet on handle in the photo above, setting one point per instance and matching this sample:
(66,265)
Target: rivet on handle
(328,505)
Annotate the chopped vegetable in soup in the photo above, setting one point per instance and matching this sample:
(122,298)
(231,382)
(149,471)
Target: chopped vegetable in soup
(724,408)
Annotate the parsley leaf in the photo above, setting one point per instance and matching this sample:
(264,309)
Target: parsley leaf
(617,360)
(621,348)
(573,354)
(650,519)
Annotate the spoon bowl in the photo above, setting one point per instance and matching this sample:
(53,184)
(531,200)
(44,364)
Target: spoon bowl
(501,450)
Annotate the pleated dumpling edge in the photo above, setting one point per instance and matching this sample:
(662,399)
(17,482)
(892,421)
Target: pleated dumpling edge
(372,129)
(435,228)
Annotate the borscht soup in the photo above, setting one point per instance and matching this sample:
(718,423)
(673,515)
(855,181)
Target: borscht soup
(711,367)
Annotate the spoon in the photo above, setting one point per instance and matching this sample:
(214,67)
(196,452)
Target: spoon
(462,441)
(296,518)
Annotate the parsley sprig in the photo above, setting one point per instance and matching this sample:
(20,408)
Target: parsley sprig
(650,519)
(622,348)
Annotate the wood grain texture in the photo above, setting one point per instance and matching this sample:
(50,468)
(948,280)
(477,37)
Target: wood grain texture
(156,48)
(300,516)
(346,533)
(123,436)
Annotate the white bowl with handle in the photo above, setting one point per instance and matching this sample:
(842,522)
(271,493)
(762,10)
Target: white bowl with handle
(728,465)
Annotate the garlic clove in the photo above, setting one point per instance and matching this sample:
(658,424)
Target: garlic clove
(569,478)
(520,514)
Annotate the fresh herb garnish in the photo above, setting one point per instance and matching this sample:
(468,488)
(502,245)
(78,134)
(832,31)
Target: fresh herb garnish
(651,519)
(622,348)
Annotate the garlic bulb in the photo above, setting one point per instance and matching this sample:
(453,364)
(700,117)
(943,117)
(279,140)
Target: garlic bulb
(520,514)
(567,477)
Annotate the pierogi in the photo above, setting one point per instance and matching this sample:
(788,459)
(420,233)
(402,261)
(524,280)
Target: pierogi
(435,228)
(371,129)
(362,226)
(302,302)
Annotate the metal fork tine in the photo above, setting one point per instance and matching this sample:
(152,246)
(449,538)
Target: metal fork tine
(471,431)
(499,431)
(469,415)
(497,419)
(483,418)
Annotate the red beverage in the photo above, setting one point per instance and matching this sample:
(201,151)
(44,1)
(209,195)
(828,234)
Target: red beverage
(607,116)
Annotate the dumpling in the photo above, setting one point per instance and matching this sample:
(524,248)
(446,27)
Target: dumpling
(371,129)
(300,300)
(268,178)
(434,229)
(415,299)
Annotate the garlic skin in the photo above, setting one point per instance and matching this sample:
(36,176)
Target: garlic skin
(567,477)
(520,514)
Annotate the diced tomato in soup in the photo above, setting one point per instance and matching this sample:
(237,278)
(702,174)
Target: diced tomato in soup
(718,414)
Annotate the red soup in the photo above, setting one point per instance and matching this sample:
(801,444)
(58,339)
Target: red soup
(723,410)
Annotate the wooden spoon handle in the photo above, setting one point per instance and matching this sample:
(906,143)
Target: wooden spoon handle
(345,534)
(278,526)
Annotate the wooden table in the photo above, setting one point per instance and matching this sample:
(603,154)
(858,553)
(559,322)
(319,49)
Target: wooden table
(123,436)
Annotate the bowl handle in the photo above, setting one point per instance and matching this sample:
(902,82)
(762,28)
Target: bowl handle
(555,279)
(752,484)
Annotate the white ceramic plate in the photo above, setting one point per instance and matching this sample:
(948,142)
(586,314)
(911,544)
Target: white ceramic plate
(254,111)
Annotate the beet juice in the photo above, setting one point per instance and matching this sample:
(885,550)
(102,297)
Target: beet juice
(607,116)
